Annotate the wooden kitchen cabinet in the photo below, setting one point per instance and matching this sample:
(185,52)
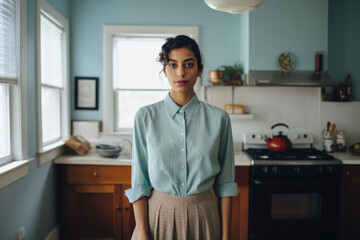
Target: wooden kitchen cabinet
(240,205)
(95,206)
(350,207)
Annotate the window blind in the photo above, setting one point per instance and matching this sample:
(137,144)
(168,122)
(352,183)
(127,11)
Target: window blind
(52,57)
(8,43)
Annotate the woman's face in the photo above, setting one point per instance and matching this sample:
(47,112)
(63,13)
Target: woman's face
(182,70)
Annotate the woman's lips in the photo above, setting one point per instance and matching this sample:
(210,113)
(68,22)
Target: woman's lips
(182,82)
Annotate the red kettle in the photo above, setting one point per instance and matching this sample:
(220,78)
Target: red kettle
(279,143)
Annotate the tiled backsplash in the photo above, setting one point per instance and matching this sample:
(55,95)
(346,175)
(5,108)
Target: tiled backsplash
(300,108)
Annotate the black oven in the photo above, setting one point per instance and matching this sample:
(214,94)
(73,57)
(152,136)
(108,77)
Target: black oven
(294,202)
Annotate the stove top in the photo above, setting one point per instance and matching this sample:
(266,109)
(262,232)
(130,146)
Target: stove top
(302,156)
(302,152)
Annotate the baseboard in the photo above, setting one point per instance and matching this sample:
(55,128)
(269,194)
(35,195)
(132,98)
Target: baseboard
(54,234)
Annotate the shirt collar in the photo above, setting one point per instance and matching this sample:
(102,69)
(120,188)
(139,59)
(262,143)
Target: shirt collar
(172,108)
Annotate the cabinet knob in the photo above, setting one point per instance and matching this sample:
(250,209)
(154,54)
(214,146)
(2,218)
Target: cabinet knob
(95,174)
(347,172)
(127,209)
(118,207)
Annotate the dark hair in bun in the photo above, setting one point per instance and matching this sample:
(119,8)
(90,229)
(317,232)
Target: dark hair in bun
(179,42)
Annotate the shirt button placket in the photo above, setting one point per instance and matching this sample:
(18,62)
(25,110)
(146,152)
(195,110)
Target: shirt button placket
(183,154)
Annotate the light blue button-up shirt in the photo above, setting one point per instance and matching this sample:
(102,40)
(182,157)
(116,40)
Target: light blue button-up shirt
(182,150)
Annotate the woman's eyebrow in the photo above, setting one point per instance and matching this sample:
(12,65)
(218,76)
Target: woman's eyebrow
(189,59)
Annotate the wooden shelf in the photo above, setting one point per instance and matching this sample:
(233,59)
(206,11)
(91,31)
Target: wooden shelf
(241,116)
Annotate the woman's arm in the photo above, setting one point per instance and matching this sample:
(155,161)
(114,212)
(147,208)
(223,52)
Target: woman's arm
(141,218)
(225,217)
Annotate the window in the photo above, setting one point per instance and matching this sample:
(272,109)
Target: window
(131,71)
(52,77)
(13,97)
(136,78)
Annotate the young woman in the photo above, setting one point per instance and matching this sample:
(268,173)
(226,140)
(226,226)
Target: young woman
(182,149)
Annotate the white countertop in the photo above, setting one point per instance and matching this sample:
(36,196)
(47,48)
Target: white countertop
(92,158)
(241,159)
(347,158)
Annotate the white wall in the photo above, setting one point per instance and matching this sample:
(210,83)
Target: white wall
(299,107)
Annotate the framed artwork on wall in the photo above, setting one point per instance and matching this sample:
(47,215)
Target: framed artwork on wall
(86,93)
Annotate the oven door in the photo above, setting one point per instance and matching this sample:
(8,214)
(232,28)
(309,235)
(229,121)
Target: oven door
(293,209)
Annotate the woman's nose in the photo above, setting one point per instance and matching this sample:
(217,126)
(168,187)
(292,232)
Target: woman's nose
(180,71)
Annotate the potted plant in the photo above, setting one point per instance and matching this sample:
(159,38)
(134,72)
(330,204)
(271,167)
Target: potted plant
(233,74)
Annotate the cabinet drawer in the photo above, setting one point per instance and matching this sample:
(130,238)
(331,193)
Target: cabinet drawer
(351,174)
(93,174)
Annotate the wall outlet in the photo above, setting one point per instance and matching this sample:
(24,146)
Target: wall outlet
(21,233)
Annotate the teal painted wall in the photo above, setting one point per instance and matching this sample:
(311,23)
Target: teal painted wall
(32,202)
(344,41)
(220,34)
(296,26)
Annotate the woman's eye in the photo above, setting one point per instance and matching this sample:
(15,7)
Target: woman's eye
(189,65)
(172,65)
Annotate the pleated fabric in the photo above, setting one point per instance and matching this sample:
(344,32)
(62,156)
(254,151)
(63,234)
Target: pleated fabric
(194,217)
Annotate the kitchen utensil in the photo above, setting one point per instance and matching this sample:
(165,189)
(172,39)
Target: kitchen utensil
(110,151)
(286,61)
(331,129)
(328,126)
(279,143)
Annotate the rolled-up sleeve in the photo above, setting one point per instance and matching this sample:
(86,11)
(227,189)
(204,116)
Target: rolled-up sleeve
(225,185)
(140,183)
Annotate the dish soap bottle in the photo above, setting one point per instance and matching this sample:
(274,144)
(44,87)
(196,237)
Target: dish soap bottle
(349,88)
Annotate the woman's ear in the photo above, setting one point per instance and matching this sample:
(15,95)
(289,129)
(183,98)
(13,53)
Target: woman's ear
(200,71)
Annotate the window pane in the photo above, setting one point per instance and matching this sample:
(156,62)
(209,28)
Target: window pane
(4,122)
(50,110)
(135,63)
(8,53)
(52,69)
(129,103)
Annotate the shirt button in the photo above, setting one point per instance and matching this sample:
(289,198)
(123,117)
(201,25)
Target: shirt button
(183,184)
(181,111)
(182,166)
(182,134)
(182,149)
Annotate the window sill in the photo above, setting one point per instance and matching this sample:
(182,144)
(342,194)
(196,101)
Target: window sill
(11,172)
(50,152)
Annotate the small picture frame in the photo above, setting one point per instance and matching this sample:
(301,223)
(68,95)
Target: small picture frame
(86,93)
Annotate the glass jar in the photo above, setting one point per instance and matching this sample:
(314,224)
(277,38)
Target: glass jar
(340,141)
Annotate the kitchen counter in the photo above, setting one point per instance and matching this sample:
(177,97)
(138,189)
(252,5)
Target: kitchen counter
(92,158)
(347,158)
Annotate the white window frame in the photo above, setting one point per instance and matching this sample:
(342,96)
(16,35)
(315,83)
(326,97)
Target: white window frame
(48,152)
(109,31)
(18,167)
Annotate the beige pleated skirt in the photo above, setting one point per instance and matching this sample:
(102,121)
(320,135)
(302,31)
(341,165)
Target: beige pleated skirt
(194,217)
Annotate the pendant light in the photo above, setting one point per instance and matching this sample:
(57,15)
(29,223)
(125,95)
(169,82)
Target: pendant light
(234,6)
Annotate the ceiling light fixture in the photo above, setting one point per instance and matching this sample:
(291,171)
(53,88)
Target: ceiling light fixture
(234,6)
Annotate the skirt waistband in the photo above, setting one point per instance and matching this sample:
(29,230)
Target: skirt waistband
(191,199)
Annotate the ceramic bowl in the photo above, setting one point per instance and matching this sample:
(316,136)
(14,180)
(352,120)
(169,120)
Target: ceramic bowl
(110,151)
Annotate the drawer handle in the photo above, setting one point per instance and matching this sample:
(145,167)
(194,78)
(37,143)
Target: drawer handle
(95,174)
(348,172)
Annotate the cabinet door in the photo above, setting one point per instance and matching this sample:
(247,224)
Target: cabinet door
(128,219)
(94,212)
(240,205)
(350,208)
